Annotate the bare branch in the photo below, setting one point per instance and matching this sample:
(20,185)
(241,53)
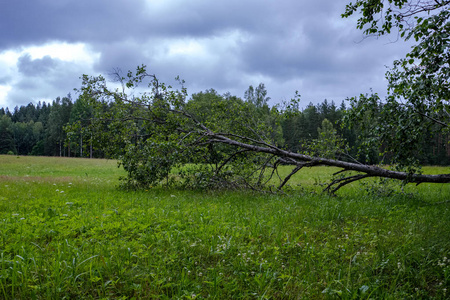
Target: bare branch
(230,158)
(287,178)
(344,181)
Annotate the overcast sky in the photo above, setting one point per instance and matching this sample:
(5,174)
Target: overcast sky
(289,45)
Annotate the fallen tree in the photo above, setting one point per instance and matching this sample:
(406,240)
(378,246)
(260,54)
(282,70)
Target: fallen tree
(156,132)
(301,160)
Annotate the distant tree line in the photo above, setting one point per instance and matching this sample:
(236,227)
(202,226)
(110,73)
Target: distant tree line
(41,129)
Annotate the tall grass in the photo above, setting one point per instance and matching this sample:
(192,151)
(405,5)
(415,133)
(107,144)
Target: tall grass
(67,232)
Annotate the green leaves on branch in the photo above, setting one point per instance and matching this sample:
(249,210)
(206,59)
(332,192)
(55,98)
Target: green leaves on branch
(380,17)
(416,111)
(422,78)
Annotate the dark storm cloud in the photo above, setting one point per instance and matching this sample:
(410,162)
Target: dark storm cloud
(287,44)
(32,22)
(310,45)
(125,55)
(39,21)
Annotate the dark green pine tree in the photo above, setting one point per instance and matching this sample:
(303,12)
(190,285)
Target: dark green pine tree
(6,135)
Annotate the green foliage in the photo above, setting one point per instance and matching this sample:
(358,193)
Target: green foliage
(130,129)
(415,113)
(221,115)
(302,129)
(422,78)
(58,117)
(149,162)
(378,17)
(6,135)
(257,97)
(364,117)
(79,138)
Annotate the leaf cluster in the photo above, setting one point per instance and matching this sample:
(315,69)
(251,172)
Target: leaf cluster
(417,107)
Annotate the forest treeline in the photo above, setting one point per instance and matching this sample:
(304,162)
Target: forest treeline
(40,129)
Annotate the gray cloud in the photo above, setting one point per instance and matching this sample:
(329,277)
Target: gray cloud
(43,79)
(37,67)
(227,45)
(39,21)
(5,79)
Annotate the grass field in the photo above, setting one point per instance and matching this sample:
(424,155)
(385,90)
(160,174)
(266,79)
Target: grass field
(67,232)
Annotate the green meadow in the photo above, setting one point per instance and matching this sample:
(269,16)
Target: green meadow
(68,232)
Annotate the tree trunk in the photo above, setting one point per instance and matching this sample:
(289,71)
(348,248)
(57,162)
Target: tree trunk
(302,160)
